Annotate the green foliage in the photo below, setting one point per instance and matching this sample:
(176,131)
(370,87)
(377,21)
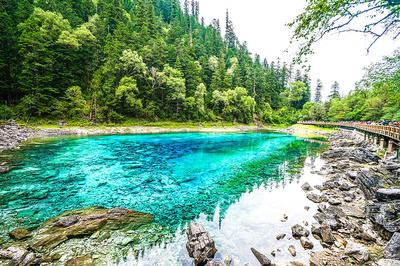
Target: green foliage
(110,61)
(374,17)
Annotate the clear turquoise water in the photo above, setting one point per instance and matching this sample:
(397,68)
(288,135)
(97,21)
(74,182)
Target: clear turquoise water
(173,176)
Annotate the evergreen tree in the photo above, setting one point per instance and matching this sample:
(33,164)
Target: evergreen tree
(335,91)
(230,36)
(318,91)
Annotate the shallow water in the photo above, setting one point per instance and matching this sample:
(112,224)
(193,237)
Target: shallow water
(176,177)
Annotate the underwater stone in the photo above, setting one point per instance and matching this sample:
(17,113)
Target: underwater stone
(19,234)
(78,261)
(4,169)
(85,222)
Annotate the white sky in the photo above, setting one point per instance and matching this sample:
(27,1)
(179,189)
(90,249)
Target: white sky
(262,24)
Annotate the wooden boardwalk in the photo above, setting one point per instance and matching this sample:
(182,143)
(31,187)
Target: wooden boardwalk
(386,136)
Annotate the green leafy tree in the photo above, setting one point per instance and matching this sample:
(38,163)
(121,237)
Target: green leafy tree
(375,17)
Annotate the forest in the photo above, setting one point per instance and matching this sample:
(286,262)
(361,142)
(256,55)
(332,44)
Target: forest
(375,98)
(109,61)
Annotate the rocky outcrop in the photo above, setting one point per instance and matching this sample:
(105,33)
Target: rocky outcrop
(19,234)
(392,249)
(200,245)
(75,229)
(17,256)
(12,135)
(388,194)
(85,222)
(359,253)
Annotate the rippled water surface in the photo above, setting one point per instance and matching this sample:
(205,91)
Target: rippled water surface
(176,177)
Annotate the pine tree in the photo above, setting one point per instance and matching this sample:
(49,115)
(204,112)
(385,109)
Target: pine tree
(151,19)
(318,91)
(335,91)
(140,16)
(230,36)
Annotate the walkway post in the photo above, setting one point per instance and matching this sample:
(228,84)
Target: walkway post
(382,143)
(390,146)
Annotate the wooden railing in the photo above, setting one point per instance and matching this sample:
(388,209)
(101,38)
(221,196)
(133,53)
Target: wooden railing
(386,131)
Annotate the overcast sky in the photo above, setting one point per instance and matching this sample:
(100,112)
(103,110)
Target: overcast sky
(261,23)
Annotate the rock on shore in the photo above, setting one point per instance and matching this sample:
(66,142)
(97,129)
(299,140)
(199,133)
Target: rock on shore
(12,135)
(359,204)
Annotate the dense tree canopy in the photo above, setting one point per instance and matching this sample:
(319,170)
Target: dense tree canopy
(113,60)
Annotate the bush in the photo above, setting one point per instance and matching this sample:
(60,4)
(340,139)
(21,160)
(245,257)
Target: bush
(6,112)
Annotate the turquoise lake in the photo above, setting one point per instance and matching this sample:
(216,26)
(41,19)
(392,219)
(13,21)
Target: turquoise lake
(178,177)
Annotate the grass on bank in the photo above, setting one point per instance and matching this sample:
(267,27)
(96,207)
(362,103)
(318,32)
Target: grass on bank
(312,132)
(53,124)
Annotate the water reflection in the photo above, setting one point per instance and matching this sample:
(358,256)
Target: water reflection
(253,221)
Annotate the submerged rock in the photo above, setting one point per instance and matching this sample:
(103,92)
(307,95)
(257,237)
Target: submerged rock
(19,234)
(86,260)
(280,237)
(4,169)
(200,245)
(85,222)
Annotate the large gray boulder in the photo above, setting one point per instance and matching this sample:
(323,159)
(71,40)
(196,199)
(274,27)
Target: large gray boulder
(200,245)
(359,253)
(387,262)
(387,194)
(385,215)
(392,249)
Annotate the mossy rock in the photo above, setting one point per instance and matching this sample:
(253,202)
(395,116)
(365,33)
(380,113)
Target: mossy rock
(85,222)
